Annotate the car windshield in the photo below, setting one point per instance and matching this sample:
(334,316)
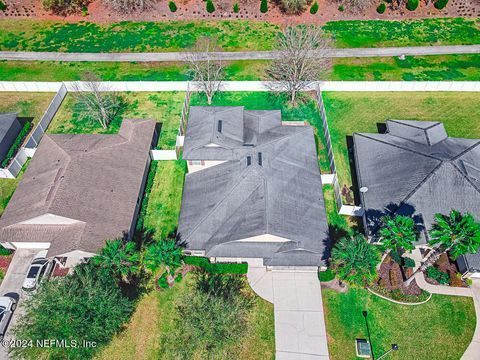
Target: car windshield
(32,273)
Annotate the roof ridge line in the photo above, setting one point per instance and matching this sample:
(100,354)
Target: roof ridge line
(415,189)
(466,177)
(284,136)
(466,150)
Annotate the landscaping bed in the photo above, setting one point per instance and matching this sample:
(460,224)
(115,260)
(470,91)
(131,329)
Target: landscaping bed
(444,272)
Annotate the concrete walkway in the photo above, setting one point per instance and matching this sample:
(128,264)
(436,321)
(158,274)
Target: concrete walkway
(300,332)
(439,289)
(240,55)
(473,350)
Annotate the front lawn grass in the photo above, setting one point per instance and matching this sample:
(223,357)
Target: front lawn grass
(144,337)
(165,198)
(306,110)
(27,104)
(163,107)
(350,112)
(438,330)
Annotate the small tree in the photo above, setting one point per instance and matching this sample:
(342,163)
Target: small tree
(236,8)
(207,73)
(99,102)
(358,6)
(412,5)
(263,6)
(304,59)
(119,258)
(210,6)
(440,4)
(354,259)
(381,8)
(314,8)
(64,7)
(172,6)
(398,232)
(167,253)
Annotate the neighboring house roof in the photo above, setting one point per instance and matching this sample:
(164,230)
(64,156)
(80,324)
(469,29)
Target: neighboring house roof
(269,183)
(6,122)
(86,185)
(9,129)
(415,168)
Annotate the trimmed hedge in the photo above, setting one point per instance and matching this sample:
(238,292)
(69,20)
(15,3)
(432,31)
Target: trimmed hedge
(17,143)
(381,8)
(216,268)
(172,6)
(412,5)
(327,275)
(314,8)
(236,8)
(440,4)
(264,6)
(210,6)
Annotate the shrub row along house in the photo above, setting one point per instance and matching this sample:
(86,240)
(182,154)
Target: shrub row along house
(253,189)
(415,169)
(78,191)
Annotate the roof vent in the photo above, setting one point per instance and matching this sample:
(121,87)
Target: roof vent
(249,160)
(260,160)
(219,126)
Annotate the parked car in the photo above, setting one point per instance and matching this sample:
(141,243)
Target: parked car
(7,306)
(39,268)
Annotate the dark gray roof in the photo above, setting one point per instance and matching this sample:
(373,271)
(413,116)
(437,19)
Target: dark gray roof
(235,201)
(6,122)
(415,168)
(92,179)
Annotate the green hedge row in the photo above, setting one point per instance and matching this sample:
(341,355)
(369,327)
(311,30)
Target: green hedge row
(17,143)
(216,268)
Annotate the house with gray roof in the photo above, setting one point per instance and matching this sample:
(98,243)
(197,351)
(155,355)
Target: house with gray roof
(253,189)
(10,127)
(79,191)
(416,169)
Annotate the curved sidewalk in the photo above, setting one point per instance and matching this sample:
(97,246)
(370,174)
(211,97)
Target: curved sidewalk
(300,332)
(237,55)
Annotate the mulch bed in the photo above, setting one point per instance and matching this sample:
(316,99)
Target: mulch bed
(392,277)
(447,265)
(5,262)
(58,271)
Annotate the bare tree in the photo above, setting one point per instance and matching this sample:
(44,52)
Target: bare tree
(127,6)
(100,103)
(207,73)
(303,59)
(358,6)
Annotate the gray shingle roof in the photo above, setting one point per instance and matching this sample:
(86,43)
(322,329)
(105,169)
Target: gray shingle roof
(234,201)
(416,169)
(94,179)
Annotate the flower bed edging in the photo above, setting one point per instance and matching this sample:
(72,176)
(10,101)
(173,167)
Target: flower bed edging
(400,302)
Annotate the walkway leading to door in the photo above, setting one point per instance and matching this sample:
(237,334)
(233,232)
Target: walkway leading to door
(473,350)
(300,331)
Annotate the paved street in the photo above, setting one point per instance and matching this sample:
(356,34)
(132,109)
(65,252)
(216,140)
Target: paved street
(240,55)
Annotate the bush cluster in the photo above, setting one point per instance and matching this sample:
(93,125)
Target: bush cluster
(440,4)
(210,6)
(412,5)
(172,6)
(326,275)
(216,268)
(314,8)
(17,143)
(398,295)
(440,276)
(408,262)
(293,6)
(64,7)
(381,8)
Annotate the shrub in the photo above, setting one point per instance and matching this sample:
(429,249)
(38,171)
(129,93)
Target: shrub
(236,8)
(408,262)
(314,8)
(440,4)
(263,6)
(148,188)
(395,257)
(326,275)
(216,268)
(440,276)
(341,8)
(63,7)
(3,6)
(172,6)
(5,251)
(293,6)
(17,143)
(381,8)
(398,295)
(88,304)
(210,6)
(412,5)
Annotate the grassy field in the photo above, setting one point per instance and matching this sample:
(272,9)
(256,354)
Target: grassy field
(436,67)
(30,35)
(165,198)
(360,112)
(143,337)
(27,104)
(306,110)
(441,329)
(164,107)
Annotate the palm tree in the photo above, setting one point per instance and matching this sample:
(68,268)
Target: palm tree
(119,257)
(164,252)
(355,260)
(398,232)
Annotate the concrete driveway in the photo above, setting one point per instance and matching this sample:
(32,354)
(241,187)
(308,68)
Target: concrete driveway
(473,350)
(12,286)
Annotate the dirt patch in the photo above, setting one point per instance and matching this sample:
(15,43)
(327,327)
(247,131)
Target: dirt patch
(335,285)
(249,10)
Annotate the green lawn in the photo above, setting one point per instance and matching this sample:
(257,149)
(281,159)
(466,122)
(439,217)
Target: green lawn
(27,104)
(441,329)
(306,110)
(360,112)
(165,198)
(43,35)
(144,336)
(164,107)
